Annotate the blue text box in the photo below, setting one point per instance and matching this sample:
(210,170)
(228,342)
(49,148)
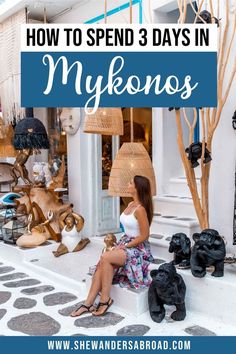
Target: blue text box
(201,66)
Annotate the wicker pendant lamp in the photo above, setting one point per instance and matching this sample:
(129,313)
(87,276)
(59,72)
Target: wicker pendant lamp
(132,159)
(105,121)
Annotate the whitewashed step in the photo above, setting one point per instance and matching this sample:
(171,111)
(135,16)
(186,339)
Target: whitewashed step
(209,296)
(174,205)
(171,224)
(131,301)
(179,186)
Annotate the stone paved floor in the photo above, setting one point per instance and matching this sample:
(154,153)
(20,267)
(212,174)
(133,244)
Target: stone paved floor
(30,304)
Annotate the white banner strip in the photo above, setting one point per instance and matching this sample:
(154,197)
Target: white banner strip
(118,38)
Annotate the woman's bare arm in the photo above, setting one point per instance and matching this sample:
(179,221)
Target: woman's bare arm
(80,221)
(141,216)
(62,218)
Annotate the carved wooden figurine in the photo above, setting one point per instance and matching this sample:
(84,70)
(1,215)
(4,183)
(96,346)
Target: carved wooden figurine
(36,235)
(40,201)
(110,242)
(19,170)
(71,224)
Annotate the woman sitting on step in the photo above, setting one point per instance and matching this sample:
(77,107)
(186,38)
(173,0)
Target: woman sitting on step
(128,263)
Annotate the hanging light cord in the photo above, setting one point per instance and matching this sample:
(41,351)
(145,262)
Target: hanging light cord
(44,15)
(105,11)
(130,11)
(131,124)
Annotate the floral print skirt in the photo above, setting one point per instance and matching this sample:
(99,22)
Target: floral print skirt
(134,273)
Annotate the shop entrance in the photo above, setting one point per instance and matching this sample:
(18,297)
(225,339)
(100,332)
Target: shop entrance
(109,208)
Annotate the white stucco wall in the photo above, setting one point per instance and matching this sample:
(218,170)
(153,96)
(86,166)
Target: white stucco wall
(222,185)
(94,8)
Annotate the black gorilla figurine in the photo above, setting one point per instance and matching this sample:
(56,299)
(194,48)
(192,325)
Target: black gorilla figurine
(180,245)
(234,120)
(208,250)
(206,16)
(194,152)
(168,288)
(173,108)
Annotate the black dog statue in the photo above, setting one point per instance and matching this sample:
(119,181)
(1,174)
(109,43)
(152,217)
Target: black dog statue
(168,288)
(180,245)
(208,250)
(194,152)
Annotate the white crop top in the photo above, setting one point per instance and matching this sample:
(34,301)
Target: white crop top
(130,224)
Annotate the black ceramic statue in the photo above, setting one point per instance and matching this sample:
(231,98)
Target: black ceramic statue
(205,17)
(168,288)
(234,120)
(180,245)
(208,250)
(173,108)
(234,216)
(194,152)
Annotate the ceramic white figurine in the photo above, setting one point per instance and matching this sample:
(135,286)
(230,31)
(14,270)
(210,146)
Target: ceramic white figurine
(42,173)
(38,173)
(71,224)
(70,234)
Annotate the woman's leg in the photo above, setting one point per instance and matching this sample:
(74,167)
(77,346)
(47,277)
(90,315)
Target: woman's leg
(108,260)
(96,286)
(93,291)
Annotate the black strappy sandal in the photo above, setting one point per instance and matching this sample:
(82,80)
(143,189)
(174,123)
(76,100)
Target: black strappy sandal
(81,306)
(107,304)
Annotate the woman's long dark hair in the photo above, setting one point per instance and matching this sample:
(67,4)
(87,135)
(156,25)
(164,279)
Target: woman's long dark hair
(143,188)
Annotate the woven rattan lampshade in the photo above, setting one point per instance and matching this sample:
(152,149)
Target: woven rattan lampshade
(132,159)
(105,121)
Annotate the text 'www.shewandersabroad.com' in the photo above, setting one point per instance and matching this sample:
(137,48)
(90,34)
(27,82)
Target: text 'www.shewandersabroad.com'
(119,345)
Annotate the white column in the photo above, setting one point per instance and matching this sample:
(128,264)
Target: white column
(80,159)
(158,148)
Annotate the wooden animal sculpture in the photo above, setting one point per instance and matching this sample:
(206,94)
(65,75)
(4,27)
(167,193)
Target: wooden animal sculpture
(110,242)
(208,250)
(40,201)
(36,235)
(71,224)
(168,288)
(180,245)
